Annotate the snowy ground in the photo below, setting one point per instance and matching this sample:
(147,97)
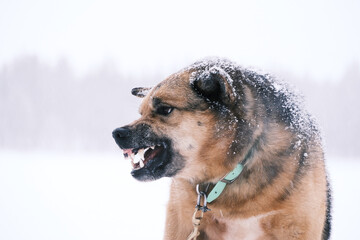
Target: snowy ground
(57,196)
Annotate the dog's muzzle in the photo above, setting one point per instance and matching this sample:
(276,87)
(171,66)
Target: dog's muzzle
(121,136)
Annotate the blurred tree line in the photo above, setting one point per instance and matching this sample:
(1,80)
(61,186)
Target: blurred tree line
(44,107)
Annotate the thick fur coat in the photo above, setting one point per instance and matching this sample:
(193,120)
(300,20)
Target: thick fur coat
(200,122)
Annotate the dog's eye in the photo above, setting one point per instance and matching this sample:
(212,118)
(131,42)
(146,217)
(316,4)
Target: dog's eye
(164,110)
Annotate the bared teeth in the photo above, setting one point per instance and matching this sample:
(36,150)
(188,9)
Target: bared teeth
(142,163)
(136,156)
(152,148)
(141,154)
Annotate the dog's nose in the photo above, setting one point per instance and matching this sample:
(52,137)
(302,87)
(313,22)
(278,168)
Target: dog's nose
(122,132)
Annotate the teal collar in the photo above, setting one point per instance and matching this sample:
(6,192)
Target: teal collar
(220,185)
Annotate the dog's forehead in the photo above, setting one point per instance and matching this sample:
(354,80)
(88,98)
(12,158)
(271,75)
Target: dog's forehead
(174,90)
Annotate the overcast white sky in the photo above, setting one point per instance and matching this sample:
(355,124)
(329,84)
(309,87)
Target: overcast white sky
(318,39)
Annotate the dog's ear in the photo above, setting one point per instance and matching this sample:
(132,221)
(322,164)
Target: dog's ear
(140,91)
(214,84)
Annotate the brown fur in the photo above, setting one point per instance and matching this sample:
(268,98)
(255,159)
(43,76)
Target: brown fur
(282,191)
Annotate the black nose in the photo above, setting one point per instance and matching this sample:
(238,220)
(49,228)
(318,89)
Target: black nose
(121,133)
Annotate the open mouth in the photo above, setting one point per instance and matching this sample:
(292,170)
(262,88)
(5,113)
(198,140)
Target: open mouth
(152,157)
(141,157)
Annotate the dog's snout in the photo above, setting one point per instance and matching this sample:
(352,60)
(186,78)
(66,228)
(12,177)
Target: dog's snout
(121,133)
(132,136)
(121,136)
(124,137)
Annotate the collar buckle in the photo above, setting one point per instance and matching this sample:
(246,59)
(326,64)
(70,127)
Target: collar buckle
(227,181)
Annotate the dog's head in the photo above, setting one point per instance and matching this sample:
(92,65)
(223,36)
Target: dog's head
(186,125)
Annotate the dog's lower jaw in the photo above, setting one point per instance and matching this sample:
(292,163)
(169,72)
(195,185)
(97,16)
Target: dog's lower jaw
(167,165)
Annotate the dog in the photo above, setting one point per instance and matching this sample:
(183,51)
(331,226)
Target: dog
(214,119)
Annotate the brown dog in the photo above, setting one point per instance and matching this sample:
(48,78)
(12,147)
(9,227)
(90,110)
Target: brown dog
(243,139)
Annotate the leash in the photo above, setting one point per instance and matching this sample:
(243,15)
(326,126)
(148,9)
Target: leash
(214,194)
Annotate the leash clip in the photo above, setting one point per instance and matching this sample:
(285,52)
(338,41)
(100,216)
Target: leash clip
(198,213)
(198,206)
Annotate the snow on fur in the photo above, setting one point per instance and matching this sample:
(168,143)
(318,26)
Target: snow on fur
(289,102)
